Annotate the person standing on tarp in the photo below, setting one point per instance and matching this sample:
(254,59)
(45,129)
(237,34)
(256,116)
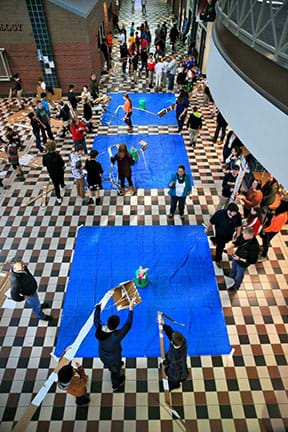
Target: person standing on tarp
(110,349)
(176,358)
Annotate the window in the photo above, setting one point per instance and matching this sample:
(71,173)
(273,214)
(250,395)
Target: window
(5,73)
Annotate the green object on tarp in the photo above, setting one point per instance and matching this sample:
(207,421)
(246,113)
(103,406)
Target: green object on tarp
(141,282)
(134,153)
(142,104)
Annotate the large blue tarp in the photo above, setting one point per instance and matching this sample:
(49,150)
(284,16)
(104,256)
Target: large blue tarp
(154,102)
(182,284)
(162,157)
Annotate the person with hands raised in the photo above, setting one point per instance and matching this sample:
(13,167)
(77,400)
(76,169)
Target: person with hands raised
(110,337)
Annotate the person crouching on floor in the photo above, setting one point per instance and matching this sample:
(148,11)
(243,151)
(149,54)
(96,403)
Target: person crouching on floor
(74,381)
(176,358)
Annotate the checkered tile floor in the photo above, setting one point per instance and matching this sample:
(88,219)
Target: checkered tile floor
(245,394)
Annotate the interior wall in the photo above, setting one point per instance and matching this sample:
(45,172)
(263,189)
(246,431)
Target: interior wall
(259,124)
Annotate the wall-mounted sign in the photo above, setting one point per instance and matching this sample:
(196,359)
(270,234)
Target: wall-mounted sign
(11,27)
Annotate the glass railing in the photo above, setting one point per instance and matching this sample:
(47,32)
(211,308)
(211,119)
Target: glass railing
(261,24)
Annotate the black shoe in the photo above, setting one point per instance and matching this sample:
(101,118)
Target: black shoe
(91,201)
(170,216)
(121,382)
(98,201)
(218,264)
(182,217)
(45,305)
(47,318)
(232,289)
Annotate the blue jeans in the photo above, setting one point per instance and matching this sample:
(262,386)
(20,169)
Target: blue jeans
(81,142)
(237,273)
(171,81)
(34,302)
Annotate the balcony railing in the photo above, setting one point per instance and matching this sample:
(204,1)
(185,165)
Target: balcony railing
(261,24)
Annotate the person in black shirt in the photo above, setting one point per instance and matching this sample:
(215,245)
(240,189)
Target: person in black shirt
(110,349)
(225,222)
(246,254)
(65,116)
(221,126)
(24,288)
(55,167)
(72,98)
(94,91)
(176,358)
(94,177)
(228,184)
(37,126)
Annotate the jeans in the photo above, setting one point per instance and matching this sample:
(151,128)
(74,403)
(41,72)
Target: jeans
(122,181)
(38,141)
(115,375)
(181,204)
(237,273)
(193,136)
(57,182)
(128,120)
(220,245)
(171,78)
(266,238)
(217,130)
(81,142)
(34,302)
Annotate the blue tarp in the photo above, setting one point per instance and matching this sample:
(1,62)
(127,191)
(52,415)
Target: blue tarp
(163,155)
(154,103)
(182,284)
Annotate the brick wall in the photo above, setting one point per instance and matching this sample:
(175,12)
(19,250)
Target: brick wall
(73,38)
(20,46)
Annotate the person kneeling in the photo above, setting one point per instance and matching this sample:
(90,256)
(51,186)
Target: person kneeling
(73,381)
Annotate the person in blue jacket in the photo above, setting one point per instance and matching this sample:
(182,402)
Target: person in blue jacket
(180,187)
(110,349)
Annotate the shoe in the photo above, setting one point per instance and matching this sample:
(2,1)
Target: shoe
(121,382)
(58,200)
(130,129)
(98,201)
(170,216)
(262,259)
(132,190)
(182,217)
(45,305)
(226,273)
(91,201)
(47,318)
(218,264)
(232,289)
(122,192)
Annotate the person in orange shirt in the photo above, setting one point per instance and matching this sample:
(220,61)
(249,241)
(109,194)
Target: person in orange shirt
(74,381)
(128,112)
(253,197)
(277,222)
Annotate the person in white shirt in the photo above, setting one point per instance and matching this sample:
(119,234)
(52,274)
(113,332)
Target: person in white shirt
(171,70)
(158,74)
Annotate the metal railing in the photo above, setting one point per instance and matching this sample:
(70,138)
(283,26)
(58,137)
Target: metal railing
(261,24)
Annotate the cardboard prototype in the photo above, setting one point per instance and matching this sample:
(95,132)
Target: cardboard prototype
(124,293)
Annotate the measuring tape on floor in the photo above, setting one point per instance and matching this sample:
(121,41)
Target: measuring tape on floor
(65,359)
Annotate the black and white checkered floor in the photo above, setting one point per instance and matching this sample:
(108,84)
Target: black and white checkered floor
(245,394)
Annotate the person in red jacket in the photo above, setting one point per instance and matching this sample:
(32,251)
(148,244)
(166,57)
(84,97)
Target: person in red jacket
(78,129)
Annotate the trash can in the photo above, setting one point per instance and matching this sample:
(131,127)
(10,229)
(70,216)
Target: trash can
(141,282)
(142,104)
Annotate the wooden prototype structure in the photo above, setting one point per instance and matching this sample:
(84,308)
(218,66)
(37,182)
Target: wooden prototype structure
(124,293)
